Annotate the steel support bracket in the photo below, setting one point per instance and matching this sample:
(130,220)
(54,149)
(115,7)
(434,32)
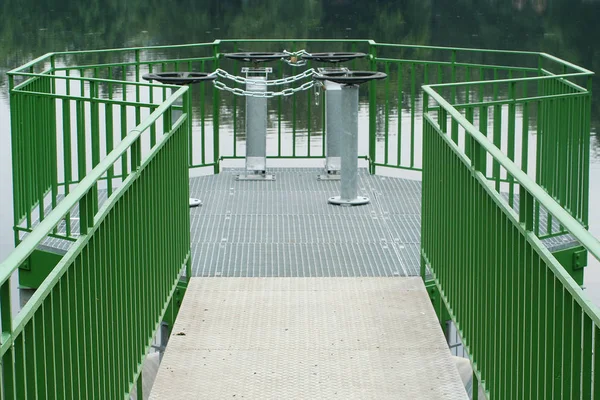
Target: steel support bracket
(573,260)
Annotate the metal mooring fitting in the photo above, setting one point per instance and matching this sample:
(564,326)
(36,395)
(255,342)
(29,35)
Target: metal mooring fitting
(349,82)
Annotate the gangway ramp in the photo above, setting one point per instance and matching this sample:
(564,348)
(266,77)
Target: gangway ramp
(307,338)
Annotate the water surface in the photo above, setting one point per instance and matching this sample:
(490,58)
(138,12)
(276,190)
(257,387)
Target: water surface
(565,28)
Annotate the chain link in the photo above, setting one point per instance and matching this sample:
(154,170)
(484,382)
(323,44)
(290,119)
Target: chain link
(273,82)
(309,73)
(295,58)
(268,94)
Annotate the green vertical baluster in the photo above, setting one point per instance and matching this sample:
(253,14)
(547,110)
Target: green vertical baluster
(585,162)
(19,366)
(77,323)
(45,361)
(567,345)
(562,149)
(574,189)
(138,116)
(413,95)
(443,120)
(469,115)
(596,390)
(95,128)
(67,155)
(588,348)
(558,346)
(153,132)
(203,119)
(386,139)
(512,117)
(30,357)
(69,356)
(59,348)
(39,150)
(216,150)
(497,132)
(81,140)
(551,155)
(529,322)
(16,111)
(576,349)
(123,107)
(8,364)
(109,122)
(537,338)
(372,111)
(53,137)
(400,95)
(525,131)
(188,109)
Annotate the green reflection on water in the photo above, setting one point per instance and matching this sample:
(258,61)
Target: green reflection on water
(564,28)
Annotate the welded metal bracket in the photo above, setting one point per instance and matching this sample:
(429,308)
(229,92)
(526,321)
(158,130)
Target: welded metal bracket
(255,177)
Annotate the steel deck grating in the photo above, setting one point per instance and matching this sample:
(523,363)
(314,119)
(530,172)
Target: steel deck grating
(286,227)
(264,223)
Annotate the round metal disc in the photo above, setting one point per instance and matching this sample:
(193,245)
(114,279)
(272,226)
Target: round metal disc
(180,78)
(255,57)
(335,57)
(350,77)
(195,202)
(358,201)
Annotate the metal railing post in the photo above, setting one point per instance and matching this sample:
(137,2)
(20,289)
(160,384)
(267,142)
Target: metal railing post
(216,99)
(372,110)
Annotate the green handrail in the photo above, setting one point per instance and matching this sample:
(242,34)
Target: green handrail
(464,81)
(86,330)
(561,108)
(528,328)
(566,219)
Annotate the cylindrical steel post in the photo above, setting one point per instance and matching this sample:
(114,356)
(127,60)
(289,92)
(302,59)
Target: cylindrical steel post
(256,128)
(333,119)
(349,149)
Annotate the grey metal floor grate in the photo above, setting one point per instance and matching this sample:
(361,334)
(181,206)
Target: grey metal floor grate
(287,228)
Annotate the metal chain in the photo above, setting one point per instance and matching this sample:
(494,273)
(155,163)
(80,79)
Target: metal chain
(295,58)
(273,82)
(268,94)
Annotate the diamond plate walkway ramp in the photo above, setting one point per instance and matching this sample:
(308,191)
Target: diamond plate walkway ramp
(307,338)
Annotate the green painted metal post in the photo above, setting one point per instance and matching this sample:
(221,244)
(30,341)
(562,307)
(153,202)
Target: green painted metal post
(372,111)
(216,96)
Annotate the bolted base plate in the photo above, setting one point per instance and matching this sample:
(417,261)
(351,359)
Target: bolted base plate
(195,202)
(255,177)
(359,201)
(330,176)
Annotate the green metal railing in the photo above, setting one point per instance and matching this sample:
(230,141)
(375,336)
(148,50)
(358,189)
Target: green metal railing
(499,189)
(86,330)
(501,91)
(555,154)
(529,330)
(78,122)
